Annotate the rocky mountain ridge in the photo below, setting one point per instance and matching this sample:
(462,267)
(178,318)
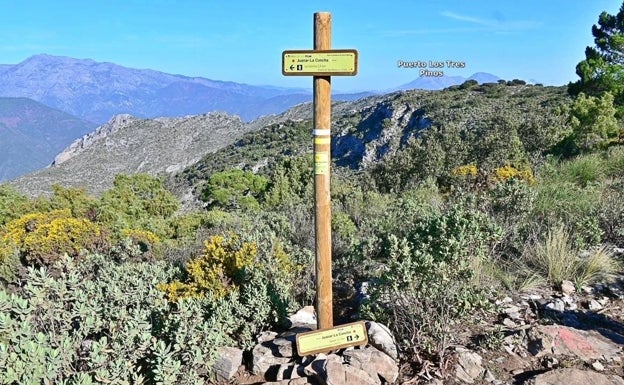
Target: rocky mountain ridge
(129,145)
(366,133)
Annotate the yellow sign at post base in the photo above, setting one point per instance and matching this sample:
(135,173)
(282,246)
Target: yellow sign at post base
(320,341)
(336,62)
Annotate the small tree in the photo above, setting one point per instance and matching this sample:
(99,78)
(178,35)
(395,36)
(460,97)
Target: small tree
(234,188)
(593,121)
(603,68)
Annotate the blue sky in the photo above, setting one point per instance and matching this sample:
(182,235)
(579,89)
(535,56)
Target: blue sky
(540,40)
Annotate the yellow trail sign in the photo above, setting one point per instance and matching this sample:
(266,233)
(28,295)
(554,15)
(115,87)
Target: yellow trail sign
(325,340)
(334,62)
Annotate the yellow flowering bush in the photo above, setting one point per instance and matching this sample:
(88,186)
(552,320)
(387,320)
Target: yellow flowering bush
(465,170)
(145,239)
(217,271)
(42,237)
(507,172)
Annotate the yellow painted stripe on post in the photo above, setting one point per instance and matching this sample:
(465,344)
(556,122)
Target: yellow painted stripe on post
(322,140)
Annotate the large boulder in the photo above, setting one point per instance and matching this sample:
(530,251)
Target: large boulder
(573,376)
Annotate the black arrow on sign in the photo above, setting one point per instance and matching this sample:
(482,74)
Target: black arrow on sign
(292,67)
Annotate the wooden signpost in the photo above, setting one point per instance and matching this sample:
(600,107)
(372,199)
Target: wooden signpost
(319,63)
(324,340)
(322,62)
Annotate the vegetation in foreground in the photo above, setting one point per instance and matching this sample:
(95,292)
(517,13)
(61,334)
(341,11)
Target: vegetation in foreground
(125,288)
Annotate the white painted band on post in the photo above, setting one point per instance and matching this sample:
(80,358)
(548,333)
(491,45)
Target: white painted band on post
(321,132)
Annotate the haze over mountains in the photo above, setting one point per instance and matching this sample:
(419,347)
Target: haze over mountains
(47,102)
(31,134)
(96,91)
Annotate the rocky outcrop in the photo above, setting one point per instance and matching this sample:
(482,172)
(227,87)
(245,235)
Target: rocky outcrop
(128,145)
(91,139)
(382,129)
(586,345)
(275,359)
(228,361)
(572,376)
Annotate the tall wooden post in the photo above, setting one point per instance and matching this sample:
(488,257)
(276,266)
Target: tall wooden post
(322,63)
(322,139)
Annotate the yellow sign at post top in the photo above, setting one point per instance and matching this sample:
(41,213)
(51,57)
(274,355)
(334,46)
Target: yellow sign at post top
(335,62)
(343,336)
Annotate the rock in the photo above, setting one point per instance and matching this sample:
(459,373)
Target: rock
(556,305)
(227,363)
(598,366)
(316,368)
(569,302)
(550,362)
(295,381)
(374,362)
(567,287)
(468,367)
(572,376)
(284,346)
(489,377)
(289,372)
(594,305)
(513,312)
(616,289)
(509,323)
(562,340)
(305,317)
(266,336)
(381,338)
(337,373)
(264,359)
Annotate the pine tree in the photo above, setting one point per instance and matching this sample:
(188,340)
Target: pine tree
(603,68)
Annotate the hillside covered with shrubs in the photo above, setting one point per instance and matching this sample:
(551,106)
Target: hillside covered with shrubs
(481,190)
(442,203)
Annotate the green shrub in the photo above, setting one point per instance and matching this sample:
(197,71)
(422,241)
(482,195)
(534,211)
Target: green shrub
(430,282)
(13,204)
(592,120)
(611,213)
(76,200)
(9,263)
(99,322)
(614,159)
(254,276)
(583,170)
(234,189)
(137,202)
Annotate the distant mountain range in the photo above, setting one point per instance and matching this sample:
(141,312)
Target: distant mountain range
(49,101)
(97,91)
(31,134)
